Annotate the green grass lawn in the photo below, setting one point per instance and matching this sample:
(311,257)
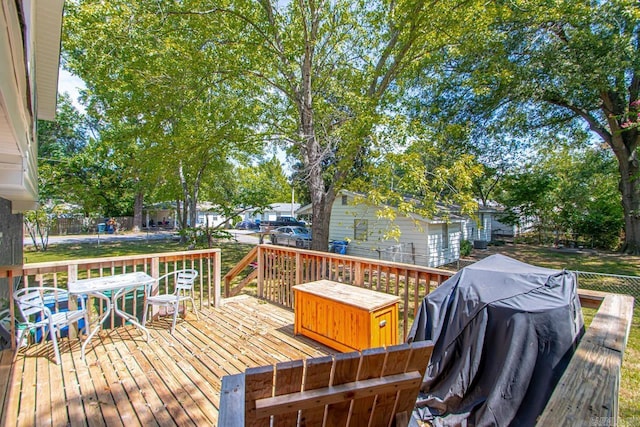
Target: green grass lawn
(231,252)
(601,262)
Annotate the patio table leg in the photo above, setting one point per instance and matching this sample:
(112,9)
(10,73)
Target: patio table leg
(107,313)
(122,293)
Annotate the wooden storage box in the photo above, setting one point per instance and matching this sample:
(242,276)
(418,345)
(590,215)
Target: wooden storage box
(345,317)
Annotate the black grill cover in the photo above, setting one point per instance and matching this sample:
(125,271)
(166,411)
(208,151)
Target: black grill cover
(504,332)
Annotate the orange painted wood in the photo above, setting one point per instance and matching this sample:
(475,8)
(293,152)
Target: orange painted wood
(345,317)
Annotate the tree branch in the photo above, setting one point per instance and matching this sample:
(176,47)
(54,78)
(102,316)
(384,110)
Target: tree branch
(591,120)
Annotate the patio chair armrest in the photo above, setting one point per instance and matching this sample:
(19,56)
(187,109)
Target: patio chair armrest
(232,401)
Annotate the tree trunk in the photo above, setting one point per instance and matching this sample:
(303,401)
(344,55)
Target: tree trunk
(624,143)
(137,211)
(629,186)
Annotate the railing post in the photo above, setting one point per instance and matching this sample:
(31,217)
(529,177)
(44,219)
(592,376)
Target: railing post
(12,311)
(72,276)
(298,268)
(155,273)
(359,274)
(260,271)
(217,281)
(72,272)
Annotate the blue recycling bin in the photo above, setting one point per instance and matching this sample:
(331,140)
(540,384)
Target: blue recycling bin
(102,227)
(339,247)
(63,305)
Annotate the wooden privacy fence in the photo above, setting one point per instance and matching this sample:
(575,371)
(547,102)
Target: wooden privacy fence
(57,274)
(280,268)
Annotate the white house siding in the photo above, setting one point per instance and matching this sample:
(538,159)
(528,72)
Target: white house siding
(438,254)
(414,246)
(471,231)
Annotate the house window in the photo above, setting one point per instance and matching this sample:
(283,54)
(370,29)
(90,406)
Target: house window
(360,229)
(445,236)
(344,200)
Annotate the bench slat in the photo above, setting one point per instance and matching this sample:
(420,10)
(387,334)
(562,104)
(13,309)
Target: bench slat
(419,360)
(258,383)
(327,390)
(288,380)
(397,358)
(317,375)
(345,371)
(588,388)
(340,393)
(371,366)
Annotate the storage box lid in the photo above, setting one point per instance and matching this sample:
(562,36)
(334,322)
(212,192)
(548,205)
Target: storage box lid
(347,294)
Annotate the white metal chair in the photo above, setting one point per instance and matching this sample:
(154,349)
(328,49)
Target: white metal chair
(40,308)
(183,281)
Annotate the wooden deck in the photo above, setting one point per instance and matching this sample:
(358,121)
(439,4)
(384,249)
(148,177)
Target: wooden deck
(167,381)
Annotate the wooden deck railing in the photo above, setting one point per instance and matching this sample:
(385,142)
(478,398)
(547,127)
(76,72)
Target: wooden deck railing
(250,257)
(280,268)
(587,393)
(57,274)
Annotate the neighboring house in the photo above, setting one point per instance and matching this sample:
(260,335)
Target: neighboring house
(272,213)
(424,241)
(208,215)
(480,228)
(165,215)
(500,229)
(486,225)
(29,63)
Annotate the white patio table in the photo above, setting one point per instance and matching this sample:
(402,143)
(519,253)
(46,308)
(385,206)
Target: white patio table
(118,285)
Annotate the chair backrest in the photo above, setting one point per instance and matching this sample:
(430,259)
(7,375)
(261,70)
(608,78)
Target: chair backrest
(185,279)
(376,387)
(30,302)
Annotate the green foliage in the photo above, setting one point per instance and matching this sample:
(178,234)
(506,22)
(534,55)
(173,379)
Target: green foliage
(537,75)
(77,169)
(264,183)
(38,223)
(203,237)
(569,193)
(170,114)
(465,247)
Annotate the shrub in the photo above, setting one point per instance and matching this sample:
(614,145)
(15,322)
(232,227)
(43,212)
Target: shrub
(465,247)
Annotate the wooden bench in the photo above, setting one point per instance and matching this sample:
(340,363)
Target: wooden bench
(587,393)
(374,387)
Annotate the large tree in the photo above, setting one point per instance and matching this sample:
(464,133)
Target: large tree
(550,71)
(155,88)
(331,69)
(326,71)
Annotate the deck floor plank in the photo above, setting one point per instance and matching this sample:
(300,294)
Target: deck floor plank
(170,380)
(56,389)
(110,372)
(105,399)
(28,387)
(5,376)
(43,388)
(185,382)
(158,383)
(73,396)
(150,407)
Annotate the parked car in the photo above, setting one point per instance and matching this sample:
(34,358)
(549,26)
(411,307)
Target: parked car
(299,237)
(247,225)
(282,221)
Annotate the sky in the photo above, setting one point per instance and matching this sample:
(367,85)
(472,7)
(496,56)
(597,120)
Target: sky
(71,84)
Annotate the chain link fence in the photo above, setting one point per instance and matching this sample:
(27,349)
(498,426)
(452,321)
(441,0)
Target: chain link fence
(614,283)
(629,285)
